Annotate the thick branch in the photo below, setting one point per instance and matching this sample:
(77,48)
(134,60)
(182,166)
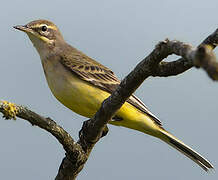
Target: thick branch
(143,70)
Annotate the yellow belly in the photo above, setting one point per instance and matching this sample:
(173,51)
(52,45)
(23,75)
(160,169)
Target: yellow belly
(85,99)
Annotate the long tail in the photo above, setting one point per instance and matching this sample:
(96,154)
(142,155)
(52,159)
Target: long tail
(186,150)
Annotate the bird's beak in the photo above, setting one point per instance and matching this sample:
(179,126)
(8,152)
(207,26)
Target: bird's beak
(23,28)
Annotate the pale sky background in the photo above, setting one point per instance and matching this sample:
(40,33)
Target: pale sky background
(118,33)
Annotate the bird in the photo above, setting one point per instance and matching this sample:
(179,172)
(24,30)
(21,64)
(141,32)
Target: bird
(81,84)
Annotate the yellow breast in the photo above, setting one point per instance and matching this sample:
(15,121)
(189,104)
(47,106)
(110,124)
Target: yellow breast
(85,99)
(74,93)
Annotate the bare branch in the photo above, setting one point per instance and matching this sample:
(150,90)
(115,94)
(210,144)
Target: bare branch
(173,68)
(11,110)
(181,65)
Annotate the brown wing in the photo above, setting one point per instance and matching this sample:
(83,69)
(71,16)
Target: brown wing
(100,76)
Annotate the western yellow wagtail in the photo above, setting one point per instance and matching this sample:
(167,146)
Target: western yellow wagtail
(81,84)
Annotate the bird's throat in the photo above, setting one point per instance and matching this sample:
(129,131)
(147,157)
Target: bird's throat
(44,48)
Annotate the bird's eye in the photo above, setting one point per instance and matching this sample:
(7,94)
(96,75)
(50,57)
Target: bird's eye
(44,28)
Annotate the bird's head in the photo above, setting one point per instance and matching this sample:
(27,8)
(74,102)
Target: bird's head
(42,33)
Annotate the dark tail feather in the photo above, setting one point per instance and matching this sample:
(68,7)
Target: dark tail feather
(186,150)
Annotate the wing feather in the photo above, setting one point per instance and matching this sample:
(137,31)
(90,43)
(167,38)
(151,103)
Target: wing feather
(93,72)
